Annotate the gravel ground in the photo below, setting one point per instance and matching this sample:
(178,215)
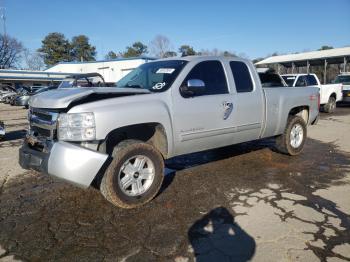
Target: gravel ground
(239,203)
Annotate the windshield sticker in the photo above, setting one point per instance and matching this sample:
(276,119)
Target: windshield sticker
(158,86)
(293,77)
(165,70)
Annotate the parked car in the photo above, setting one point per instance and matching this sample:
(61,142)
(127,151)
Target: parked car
(329,94)
(160,110)
(23,99)
(6,93)
(9,97)
(344,79)
(269,78)
(2,130)
(83,80)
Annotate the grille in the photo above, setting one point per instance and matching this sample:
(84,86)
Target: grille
(38,131)
(43,123)
(42,115)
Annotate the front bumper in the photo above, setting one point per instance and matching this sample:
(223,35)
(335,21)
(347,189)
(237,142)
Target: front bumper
(66,161)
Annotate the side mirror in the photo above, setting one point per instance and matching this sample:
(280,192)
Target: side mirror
(193,87)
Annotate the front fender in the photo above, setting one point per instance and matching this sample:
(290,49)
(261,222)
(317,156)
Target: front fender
(114,113)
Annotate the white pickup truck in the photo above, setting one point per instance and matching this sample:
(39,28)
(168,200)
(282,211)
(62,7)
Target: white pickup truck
(344,79)
(329,94)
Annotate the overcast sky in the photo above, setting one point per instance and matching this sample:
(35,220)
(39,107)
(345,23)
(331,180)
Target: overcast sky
(256,28)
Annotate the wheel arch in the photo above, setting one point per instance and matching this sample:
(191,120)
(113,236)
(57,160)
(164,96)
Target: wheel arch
(334,95)
(153,133)
(302,111)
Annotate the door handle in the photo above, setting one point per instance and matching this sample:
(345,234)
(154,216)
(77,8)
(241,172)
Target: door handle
(228,107)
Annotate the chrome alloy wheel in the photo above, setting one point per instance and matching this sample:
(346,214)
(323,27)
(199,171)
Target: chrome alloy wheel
(296,135)
(136,175)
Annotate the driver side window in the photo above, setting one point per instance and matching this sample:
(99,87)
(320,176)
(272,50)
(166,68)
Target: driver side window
(212,74)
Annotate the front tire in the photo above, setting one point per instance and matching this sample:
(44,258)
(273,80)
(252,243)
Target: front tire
(292,141)
(331,105)
(134,176)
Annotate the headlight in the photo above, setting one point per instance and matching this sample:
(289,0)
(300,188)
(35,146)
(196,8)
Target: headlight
(76,127)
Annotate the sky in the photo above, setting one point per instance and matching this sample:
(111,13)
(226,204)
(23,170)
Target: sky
(253,28)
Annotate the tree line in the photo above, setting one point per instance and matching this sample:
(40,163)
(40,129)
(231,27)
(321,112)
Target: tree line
(55,48)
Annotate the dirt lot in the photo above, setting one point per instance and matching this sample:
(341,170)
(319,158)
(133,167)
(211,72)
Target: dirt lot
(240,203)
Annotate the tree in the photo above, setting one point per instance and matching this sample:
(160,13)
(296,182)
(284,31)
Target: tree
(33,60)
(10,51)
(256,60)
(81,49)
(161,46)
(111,55)
(215,52)
(170,54)
(325,47)
(228,54)
(137,49)
(186,50)
(55,48)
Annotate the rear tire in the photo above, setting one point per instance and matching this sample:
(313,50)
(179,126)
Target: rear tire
(331,105)
(134,176)
(292,141)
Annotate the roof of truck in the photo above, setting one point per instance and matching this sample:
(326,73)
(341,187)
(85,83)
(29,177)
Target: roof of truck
(200,58)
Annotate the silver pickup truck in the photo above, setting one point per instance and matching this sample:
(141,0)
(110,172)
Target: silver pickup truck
(121,135)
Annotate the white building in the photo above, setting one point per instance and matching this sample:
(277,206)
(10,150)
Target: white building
(111,70)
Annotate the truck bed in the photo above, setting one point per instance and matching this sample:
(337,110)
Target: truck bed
(279,101)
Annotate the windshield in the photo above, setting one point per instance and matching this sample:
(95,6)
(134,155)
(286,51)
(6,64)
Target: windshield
(289,80)
(155,76)
(342,79)
(66,83)
(82,81)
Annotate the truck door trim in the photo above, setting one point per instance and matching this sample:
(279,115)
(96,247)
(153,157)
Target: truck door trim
(218,131)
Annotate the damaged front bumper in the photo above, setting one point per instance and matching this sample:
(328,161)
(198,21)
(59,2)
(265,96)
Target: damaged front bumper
(63,160)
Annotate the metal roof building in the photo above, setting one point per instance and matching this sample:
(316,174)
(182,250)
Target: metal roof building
(111,70)
(314,58)
(30,78)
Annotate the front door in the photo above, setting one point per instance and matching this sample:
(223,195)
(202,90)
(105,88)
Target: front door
(204,121)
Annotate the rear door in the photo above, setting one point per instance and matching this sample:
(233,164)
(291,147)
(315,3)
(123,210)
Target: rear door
(248,102)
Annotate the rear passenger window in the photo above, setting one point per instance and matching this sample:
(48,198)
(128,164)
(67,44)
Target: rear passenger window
(311,80)
(301,81)
(242,77)
(212,74)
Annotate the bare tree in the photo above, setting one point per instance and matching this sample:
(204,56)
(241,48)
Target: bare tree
(216,52)
(161,46)
(10,51)
(33,60)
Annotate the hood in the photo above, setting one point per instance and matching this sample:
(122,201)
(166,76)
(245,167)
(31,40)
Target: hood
(63,97)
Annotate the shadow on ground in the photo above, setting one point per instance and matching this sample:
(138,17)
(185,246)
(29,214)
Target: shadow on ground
(216,237)
(41,219)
